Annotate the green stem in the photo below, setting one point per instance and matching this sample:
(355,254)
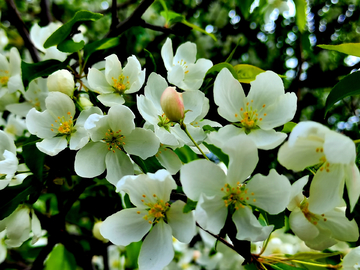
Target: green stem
(183,126)
(315,264)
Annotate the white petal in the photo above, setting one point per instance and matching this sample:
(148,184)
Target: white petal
(147,110)
(90,160)
(211,213)
(186,52)
(111,99)
(339,148)
(271,192)
(154,88)
(169,159)
(52,146)
(248,227)
(60,105)
(191,102)
(157,249)
(135,74)
(202,176)
(326,189)
(228,95)
(125,226)
(167,54)
(39,123)
(118,164)
(301,226)
(79,138)
(113,68)
(182,224)
(352,181)
(296,196)
(267,139)
(121,118)
(141,142)
(35,227)
(18,227)
(98,82)
(176,75)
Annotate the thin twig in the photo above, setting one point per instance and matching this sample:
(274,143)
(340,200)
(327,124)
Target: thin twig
(165,30)
(23,31)
(114,16)
(45,14)
(132,20)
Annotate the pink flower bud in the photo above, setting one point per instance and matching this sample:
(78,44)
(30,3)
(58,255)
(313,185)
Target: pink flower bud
(172,104)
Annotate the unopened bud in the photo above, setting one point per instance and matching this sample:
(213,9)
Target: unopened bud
(96,232)
(172,104)
(61,81)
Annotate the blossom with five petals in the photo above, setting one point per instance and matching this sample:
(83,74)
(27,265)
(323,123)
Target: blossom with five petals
(265,107)
(150,193)
(219,194)
(8,160)
(319,230)
(312,144)
(182,70)
(56,125)
(112,136)
(117,81)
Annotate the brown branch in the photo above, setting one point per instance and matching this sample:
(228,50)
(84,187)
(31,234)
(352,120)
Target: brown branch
(118,6)
(114,16)
(165,30)
(45,14)
(23,31)
(132,20)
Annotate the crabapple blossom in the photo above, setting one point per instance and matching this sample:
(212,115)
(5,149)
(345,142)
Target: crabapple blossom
(10,73)
(154,212)
(117,81)
(312,144)
(219,194)
(61,81)
(265,107)
(57,126)
(8,160)
(351,260)
(18,226)
(111,138)
(172,104)
(182,68)
(319,230)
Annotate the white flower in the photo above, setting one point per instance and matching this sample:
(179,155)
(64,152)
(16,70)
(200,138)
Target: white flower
(117,81)
(153,212)
(112,137)
(219,194)
(170,133)
(34,98)
(310,144)
(18,226)
(319,230)
(10,72)
(8,160)
(265,107)
(61,81)
(56,125)
(351,260)
(182,69)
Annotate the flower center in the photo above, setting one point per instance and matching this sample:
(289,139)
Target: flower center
(182,63)
(324,164)
(114,140)
(63,124)
(121,84)
(165,122)
(249,117)
(4,77)
(156,211)
(237,197)
(311,217)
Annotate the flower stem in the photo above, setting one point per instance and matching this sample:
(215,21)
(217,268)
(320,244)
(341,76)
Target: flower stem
(183,126)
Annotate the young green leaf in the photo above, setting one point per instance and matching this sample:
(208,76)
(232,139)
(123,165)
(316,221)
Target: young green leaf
(99,45)
(216,69)
(60,258)
(65,30)
(347,48)
(70,46)
(247,73)
(349,86)
(300,14)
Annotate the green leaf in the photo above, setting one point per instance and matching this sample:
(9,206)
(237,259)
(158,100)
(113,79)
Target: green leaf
(244,6)
(349,86)
(185,154)
(347,48)
(217,151)
(99,45)
(288,127)
(247,73)
(34,158)
(132,254)
(172,17)
(65,30)
(250,266)
(312,256)
(60,259)
(233,51)
(12,196)
(189,206)
(150,164)
(70,46)
(300,14)
(214,70)
(283,266)
(30,72)
(150,61)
